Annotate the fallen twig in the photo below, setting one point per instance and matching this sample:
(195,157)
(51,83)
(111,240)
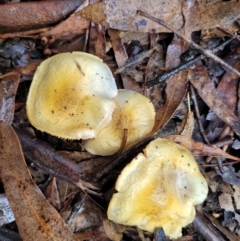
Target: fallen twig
(205,52)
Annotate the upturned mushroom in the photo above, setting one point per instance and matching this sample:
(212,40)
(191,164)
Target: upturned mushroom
(159,189)
(133,112)
(71,96)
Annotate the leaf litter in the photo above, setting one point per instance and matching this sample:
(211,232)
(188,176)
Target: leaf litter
(136,59)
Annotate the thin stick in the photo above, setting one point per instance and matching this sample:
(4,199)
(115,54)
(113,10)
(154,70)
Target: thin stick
(173,71)
(206,52)
(186,64)
(193,96)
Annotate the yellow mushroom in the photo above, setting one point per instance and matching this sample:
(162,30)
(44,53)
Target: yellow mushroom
(71,96)
(159,188)
(133,112)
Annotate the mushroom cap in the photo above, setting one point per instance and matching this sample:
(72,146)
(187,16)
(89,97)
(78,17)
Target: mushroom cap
(70,96)
(159,188)
(133,112)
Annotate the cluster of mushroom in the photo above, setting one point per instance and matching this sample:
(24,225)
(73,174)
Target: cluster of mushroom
(74,96)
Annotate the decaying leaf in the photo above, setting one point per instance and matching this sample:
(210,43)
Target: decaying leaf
(97,40)
(113,230)
(18,16)
(35,217)
(202,82)
(121,59)
(122,15)
(236,195)
(200,149)
(72,26)
(175,92)
(89,215)
(187,123)
(225,201)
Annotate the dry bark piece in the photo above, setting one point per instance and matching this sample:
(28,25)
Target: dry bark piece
(135,113)
(71,96)
(159,188)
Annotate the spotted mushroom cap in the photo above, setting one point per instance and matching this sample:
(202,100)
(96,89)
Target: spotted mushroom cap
(159,188)
(133,112)
(71,96)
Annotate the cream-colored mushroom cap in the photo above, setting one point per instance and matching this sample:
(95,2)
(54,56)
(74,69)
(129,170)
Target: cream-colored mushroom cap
(159,188)
(71,96)
(133,112)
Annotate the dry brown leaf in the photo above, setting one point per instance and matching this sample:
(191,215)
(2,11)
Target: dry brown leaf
(188,123)
(93,235)
(26,15)
(227,92)
(225,201)
(52,194)
(113,231)
(175,92)
(176,84)
(227,88)
(97,41)
(216,14)
(74,25)
(190,9)
(201,81)
(236,196)
(155,63)
(35,217)
(121,58)
(200,149)
(87,215)
(122,14)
